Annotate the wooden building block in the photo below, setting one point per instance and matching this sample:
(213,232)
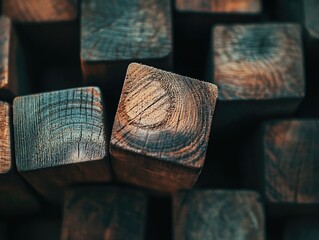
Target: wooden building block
(60,139)
(161,129)
(311,11)
(258,70)
(104,213)
(302,229)
(214,215)
(290,155)
(40,11)
(16,196)
(115,33)
(219,6)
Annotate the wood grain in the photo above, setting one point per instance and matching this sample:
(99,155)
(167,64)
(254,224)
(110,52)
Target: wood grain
(208,214)
(302,229)
(219,6)
(16,196)
(40,11)
(61,139)
(261,61)
(161,128)
(104,213)
(291,150)
(8,45)
(311,11)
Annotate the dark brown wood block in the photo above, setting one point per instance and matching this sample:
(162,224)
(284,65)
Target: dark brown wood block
(219,6)
(114,33)
(302,229)
(258,69)
(16,196)
(161,128)
(209,214)
(291,151)
(40,11)
(8,45)
(311,11)
(60,139)
(104,213)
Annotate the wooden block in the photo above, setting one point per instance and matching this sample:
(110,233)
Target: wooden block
(104,213)
(8,45)
(40,11)
(114,33)
(258,70)
(208,214)
(161,129)
(311,11)
(219,6)
(291,150)
(60,139)
(16,196)
(302,229)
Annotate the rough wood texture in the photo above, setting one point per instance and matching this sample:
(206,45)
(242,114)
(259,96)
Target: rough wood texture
(161,128)
(311,12)
(60,139)
(104,213)
(258,61)
(207,214)
(219,6)
(16,197)
(291,152)
(8,44)
(302,229)
(40,11)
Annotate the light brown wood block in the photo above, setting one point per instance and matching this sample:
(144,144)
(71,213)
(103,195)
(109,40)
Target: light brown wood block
(290,153)
(218,215)
(161,128)
(60,139)
(16,196)
(40,11)
(104,213)
(219,6)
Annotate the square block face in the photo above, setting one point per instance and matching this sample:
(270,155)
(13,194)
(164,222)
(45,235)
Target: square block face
(5,144)
(125,29)
(219,6)
(163,116)
(59,128)
(207,214)
(291,158)
(260,62)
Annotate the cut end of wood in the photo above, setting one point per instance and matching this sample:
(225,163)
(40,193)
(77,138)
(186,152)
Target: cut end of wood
(125,30)
(5,138)
(35,11)
(59,128)
(162,117)
(291,152)
(5,28)
(258,62)
(220,6)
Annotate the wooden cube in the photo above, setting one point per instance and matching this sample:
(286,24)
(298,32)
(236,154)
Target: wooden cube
(104,213)
(291,152)
(161,129)
(211,215)
(60,139)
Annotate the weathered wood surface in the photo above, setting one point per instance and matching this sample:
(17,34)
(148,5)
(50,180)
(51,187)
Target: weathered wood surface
(161,128)
(40,11)
(16,197)
(60,139)
(208,214)
(311,12)
(104,213)
(291,152)
(302,229)
(8,44)
(219,6)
